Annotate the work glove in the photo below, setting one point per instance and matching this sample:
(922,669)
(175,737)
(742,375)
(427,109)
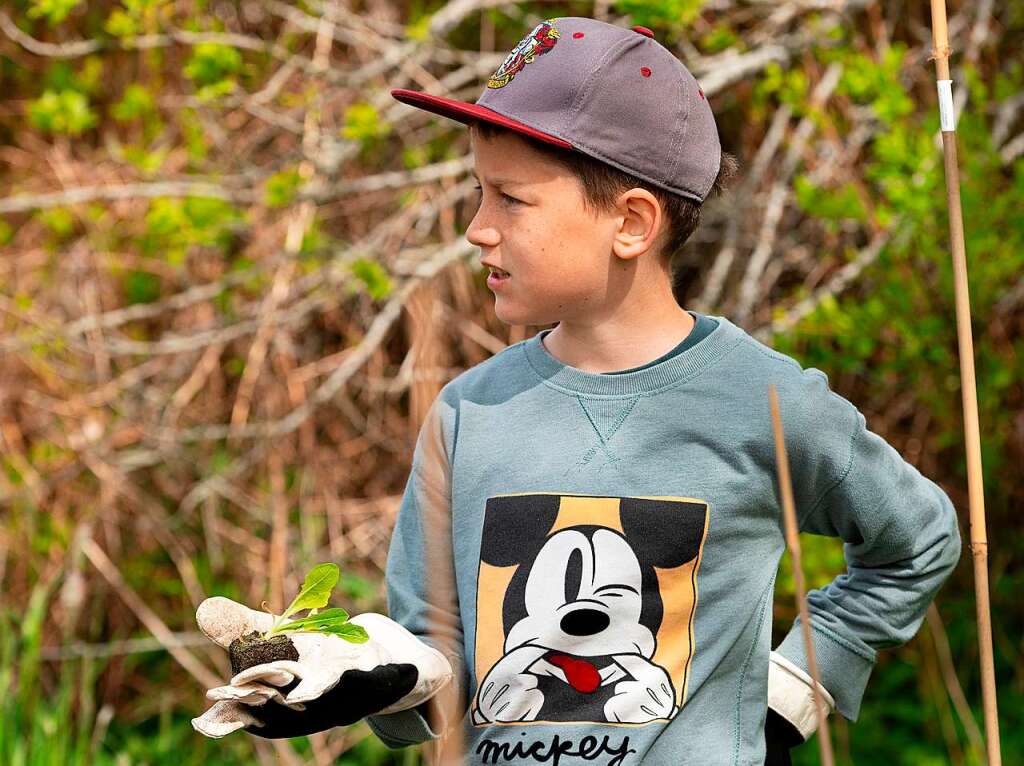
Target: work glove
(792,712)
(779,737)
(334,682)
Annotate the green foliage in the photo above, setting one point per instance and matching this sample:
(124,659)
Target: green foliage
(211,62)
(373,276)
(363,124)
(65,111)
(172,226)
(212,67)
(280,189)
(87,78)
(720,38)
(418,29)
(136,102)
(830,204)
(58,220)
(148,163)
(193,135)
(877,83)
(667,13)
(789,86)
(356,587)
(54,11)
(415,156)
(120,23)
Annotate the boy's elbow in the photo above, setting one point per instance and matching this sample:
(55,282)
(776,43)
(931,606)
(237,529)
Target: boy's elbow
(952,542)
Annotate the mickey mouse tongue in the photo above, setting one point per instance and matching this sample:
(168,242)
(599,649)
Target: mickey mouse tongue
(581,674)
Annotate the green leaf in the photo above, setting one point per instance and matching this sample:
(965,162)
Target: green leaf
(316,590)
(350,632)
(315,621)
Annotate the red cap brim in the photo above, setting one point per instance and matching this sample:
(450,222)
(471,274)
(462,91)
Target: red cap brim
(468,113)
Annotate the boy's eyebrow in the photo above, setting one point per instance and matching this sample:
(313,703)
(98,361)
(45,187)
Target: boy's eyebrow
(498,181)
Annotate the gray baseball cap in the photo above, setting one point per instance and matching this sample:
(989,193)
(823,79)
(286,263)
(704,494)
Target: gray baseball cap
(612,93)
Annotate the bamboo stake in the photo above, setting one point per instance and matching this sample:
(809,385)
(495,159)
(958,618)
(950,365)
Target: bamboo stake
(969,393)
(443,601)
(793,542)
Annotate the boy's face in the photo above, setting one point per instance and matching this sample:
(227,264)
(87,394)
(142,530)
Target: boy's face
(565,263)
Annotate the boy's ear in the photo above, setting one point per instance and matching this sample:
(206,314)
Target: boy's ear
(641,214)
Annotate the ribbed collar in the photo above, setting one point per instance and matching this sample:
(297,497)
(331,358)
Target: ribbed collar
(682,366)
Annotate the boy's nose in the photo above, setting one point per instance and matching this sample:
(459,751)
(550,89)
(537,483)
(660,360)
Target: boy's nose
(480,235)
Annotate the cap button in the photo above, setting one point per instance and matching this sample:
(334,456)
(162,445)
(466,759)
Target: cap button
(644,31)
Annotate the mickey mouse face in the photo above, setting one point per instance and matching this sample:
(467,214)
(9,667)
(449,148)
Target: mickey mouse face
(583,595)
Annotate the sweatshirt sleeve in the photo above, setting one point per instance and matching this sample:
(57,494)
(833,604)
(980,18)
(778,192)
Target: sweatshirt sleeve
(900,533)
(420,581)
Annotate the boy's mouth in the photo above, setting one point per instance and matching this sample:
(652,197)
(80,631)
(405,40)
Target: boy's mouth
(497,277)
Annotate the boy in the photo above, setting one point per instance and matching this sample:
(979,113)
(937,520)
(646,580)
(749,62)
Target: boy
(611,524)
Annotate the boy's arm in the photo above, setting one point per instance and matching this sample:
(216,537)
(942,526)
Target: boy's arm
(901,543)
(420,581)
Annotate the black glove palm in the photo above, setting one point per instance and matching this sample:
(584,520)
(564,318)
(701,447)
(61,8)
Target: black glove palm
(358,694)
(779,736)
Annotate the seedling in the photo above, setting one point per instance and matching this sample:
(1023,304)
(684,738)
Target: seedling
(256,648)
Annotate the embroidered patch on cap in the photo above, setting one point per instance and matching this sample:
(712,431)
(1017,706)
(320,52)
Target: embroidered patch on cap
(539,41)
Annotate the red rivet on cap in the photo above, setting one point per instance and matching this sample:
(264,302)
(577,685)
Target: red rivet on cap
(577,35)
(645,71)
(643,31)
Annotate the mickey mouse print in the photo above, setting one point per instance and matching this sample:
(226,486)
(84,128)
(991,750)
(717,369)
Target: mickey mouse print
(585,607)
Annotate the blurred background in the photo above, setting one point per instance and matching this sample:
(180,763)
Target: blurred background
(234,277)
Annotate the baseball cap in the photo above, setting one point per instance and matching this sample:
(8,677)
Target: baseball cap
(613,93)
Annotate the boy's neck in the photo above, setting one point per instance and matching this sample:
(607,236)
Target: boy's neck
(611,347)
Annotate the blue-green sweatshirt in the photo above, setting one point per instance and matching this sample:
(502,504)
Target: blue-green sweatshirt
(613,540)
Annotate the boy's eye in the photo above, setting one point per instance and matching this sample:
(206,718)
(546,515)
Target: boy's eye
(510,200)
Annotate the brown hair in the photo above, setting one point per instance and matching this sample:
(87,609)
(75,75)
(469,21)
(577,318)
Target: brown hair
(602,184)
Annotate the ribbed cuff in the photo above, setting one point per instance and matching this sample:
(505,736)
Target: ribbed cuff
(842,669)
(401,729)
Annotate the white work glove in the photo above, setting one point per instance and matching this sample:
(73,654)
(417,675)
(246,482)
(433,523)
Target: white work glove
(333,683)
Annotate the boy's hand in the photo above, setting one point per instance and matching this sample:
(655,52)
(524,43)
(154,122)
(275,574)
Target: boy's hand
(333,683)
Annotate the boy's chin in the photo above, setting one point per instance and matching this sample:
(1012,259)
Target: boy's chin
(511,315)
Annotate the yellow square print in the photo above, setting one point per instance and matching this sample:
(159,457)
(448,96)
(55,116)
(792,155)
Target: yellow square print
(585,607)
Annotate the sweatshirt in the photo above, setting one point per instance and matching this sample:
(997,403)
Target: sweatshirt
(596,553)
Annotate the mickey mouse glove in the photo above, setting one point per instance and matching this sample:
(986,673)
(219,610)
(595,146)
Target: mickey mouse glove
(333,682)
